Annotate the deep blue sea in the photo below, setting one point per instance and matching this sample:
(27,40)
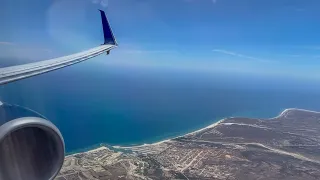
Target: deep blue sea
(92,104)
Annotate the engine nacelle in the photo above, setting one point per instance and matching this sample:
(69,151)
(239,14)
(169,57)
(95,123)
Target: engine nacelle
(31,148)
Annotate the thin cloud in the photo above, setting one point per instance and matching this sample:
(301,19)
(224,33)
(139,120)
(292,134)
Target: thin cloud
(238,55)
(213,1)
(132,51)
(292,55)
(25,47)
(295,8)
(15,50)
(299,9)
(7,43)
(103,3)
(133,48)
(311,47)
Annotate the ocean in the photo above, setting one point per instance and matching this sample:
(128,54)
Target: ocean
(92,104)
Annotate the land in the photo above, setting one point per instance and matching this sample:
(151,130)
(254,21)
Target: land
(286,147)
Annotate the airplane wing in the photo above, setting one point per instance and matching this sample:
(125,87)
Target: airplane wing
(14,73)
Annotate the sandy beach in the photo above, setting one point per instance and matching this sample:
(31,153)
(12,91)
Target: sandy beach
(168,140)
(283,113)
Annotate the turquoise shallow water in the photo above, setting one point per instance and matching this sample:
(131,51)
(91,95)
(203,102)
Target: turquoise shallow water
(134,106)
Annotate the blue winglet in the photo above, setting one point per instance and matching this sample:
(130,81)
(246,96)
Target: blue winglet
(107,32)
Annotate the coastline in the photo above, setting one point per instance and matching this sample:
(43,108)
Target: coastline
(283,113)
(89,151)
(170,139)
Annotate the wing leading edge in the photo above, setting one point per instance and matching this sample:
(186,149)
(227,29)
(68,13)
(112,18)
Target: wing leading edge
(14,73)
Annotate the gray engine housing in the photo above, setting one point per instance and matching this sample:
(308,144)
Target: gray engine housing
(31,148)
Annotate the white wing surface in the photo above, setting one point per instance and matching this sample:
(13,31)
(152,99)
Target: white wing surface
(14,73)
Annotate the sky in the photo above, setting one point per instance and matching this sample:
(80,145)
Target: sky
(269,38)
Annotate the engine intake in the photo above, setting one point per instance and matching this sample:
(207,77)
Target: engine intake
(31,148)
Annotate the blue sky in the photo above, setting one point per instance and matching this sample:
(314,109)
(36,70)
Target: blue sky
(255,37)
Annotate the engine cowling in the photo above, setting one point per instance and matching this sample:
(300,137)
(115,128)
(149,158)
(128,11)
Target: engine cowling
(31,148)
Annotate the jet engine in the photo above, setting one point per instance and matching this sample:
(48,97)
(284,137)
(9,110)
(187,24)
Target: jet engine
(31,147)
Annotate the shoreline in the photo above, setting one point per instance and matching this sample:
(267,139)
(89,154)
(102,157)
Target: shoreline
(283,113)
(170,139)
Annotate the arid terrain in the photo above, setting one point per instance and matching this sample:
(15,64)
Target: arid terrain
(286,147)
